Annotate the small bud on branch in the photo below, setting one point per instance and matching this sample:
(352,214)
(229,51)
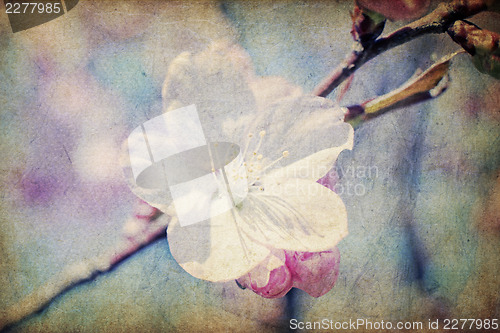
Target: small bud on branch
(366,25)
(482,45)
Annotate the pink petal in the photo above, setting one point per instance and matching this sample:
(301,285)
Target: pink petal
(279,284)
(314,272)
(330,180)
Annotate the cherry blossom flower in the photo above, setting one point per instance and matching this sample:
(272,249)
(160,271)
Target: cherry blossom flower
(289,140)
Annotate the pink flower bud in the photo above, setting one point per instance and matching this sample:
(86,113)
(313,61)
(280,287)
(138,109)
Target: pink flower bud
(366,25)
(314,272)
(267,280)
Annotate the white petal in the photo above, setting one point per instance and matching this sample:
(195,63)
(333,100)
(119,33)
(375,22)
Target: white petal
(301,125)
(215,250)
(261,275)
(269,89)
(296,214)
(216,81)
(314,166)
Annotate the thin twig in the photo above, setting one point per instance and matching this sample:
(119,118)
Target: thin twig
(139,232)
(422,86)
(437,21)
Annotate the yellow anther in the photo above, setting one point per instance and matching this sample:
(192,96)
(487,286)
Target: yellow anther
(262,133)
(286,153)
(260,157)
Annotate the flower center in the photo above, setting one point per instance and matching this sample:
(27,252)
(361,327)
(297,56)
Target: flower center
(255,167)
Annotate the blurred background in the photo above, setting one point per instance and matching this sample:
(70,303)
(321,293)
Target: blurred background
(424,198)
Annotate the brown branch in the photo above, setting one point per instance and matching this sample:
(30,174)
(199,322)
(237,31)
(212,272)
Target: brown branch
(474,39)
(139,232)
(438,21)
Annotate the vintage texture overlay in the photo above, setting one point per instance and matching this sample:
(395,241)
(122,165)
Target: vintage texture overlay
(421,185)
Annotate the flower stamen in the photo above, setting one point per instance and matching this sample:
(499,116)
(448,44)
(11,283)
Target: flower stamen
(250,135)
(284,155)
(261,170)
(262,134)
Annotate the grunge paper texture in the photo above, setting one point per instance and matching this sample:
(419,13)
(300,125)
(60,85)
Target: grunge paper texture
(421,185)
